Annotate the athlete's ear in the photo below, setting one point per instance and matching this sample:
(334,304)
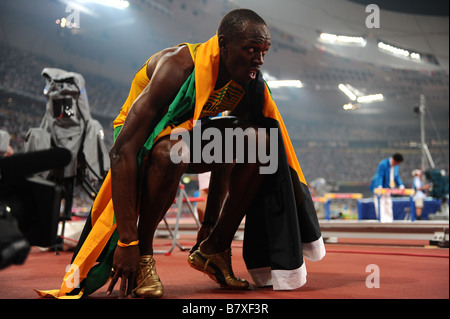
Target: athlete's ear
(223,42)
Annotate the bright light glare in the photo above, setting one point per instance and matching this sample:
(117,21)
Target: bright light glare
(351,107)
(392,49)
(268,77)
(347,92)
(370,98)
(415,55)
(118,4)
(273,84)
(348,106)
(342,39)
(356,96)
(398,51)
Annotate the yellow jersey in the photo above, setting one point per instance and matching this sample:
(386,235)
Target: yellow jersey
(221,100)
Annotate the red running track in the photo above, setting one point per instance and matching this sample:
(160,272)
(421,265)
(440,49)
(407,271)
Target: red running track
(406,271)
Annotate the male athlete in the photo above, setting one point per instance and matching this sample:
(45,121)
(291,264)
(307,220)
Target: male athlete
(243,39)
(177,88)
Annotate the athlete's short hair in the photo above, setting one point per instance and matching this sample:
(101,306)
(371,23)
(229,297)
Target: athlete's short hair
(235,21)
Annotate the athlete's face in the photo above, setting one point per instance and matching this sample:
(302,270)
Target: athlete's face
(244,53)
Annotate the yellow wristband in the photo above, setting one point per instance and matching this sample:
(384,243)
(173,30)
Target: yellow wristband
(133,243)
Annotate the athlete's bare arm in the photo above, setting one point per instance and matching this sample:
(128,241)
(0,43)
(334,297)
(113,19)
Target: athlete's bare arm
(167,71)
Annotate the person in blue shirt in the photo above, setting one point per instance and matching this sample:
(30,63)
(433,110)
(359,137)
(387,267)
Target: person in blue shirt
(387,176)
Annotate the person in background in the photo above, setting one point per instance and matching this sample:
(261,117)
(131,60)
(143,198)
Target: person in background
(420,190)
(5,147)
(387,176)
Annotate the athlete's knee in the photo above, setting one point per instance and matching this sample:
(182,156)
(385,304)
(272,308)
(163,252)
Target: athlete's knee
(267,150)
(171,156)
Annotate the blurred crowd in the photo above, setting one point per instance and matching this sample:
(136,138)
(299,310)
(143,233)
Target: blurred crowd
(358,165)
(21,72)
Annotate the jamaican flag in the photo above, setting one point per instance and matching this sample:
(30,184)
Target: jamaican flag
(281,224)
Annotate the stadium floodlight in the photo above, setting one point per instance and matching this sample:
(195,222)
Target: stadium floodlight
(342,39)
(118,4)
(274,84)
(351,106)
(347,91)
(415,55)
(398,51)
(348,106)
(356,95)
(370,98)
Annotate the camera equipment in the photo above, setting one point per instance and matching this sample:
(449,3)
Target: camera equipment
(29,204)
(439,179)
(68,123)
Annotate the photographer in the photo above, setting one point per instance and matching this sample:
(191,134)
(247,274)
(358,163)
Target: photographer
(29,205)
(5,148)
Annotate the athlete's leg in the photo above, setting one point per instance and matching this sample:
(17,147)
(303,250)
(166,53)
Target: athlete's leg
(237,183)
(160,184)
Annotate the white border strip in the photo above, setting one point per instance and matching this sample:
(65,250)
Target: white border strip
(289,279)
